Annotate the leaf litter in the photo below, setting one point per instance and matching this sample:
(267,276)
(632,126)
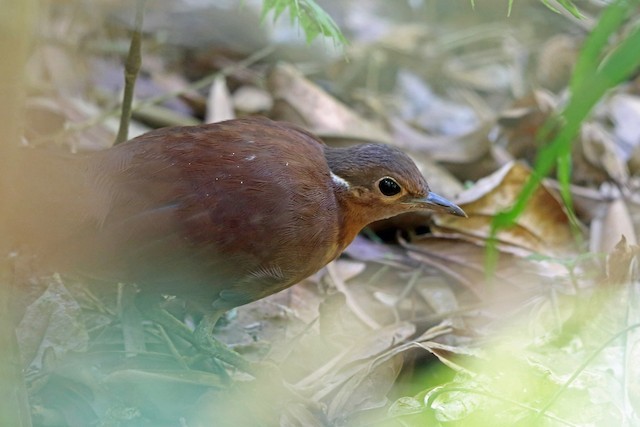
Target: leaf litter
(407,329)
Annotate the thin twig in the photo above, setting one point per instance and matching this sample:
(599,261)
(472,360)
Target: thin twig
(132,67)
(202,83)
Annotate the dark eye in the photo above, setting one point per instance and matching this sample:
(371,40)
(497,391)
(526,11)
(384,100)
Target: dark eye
(389,187)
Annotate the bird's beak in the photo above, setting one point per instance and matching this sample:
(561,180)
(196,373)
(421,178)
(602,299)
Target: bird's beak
(440,204)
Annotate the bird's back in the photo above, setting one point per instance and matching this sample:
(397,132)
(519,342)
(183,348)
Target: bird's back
(204,210)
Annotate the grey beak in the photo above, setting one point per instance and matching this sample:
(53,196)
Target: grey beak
(440,204)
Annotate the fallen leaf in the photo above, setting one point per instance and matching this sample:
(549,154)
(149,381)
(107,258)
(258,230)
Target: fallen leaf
(600,151)
(625,115)
(219,104)
(621,263)
(53,321)
(347,363)
(613,225)
(519,124)
(300,101)
(252,100)
(366,390)
(555,61)
(454,149)
(543,227)
(464,262)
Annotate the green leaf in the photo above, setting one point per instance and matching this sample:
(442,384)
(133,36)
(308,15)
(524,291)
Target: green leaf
(587,63)
(567,5)
(550,6)
(311,17)
(571,8)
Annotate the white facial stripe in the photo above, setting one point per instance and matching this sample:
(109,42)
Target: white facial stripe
(339,180)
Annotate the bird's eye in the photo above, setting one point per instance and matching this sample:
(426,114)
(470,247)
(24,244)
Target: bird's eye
(389,187)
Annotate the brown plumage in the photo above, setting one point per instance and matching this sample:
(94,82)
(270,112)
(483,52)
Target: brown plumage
(228,212)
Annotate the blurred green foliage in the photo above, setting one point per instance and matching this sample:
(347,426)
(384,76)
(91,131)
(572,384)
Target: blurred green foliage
(312,18)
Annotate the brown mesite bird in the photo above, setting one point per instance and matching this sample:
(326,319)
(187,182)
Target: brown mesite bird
(228,213)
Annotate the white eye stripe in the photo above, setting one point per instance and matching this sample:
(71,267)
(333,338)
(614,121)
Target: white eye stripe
(339,180)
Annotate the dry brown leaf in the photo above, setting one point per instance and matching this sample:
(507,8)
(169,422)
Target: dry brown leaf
(62,67)
(465,263)
(489,77)
(600,151)
(455,358)
(621,263)
(455,149)
(255,327)
(424,108)
(51,118)
(363,249)
(252,100)
(347,270)
(520,123)
(52,322)
(170,82)
(440,297)
(608,229)
(346,363)
(219,104)
(625,115)
(366,390)
(384,294)
(543,227)
(586,200)
(298,100)
(555,62)
(354,303)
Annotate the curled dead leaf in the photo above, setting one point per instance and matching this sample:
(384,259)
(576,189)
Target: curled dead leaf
(543,227)
(621,262)
(609,228)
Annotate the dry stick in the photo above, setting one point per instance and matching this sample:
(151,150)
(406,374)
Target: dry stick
(132,67)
